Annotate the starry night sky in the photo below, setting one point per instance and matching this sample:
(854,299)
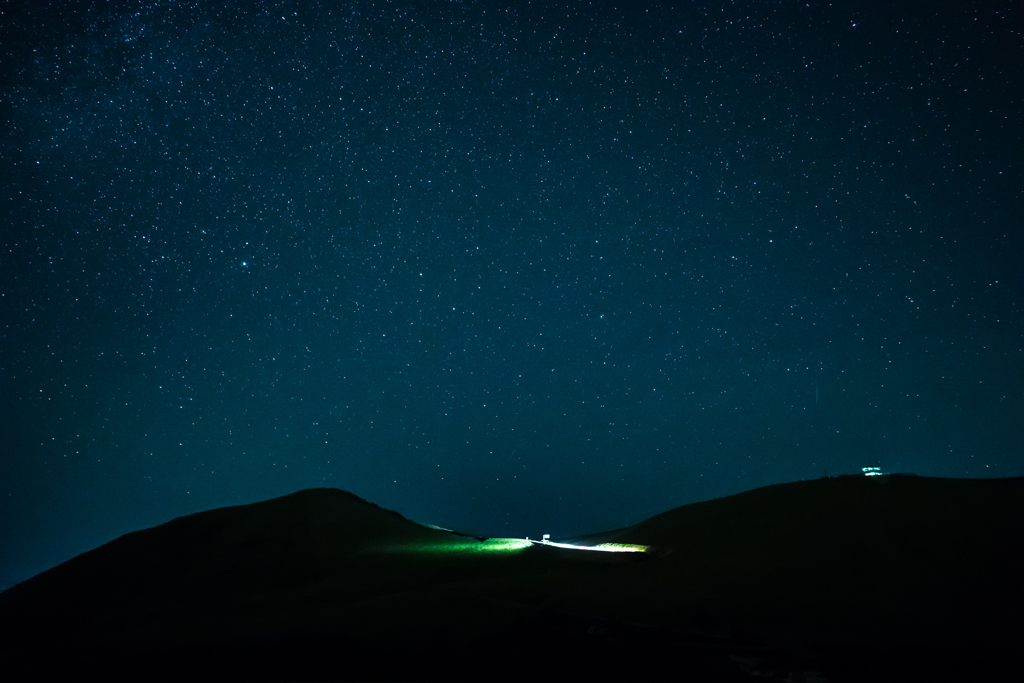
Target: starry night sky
(511,269)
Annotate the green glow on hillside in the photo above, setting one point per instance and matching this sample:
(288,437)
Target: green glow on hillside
(472,546)
(505,544)
(461,546)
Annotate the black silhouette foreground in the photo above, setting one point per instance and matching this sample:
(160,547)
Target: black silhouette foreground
(890,578)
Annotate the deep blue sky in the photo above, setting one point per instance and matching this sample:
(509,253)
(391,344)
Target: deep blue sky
(512,270)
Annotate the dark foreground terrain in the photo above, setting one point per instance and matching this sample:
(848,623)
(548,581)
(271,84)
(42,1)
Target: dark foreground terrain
(892,578)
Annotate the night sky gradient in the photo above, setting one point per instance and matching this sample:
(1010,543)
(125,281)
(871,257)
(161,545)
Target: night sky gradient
(510,269)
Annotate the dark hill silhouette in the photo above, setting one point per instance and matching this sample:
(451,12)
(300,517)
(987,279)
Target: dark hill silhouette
(909,546)
(232,551)
(884,578)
